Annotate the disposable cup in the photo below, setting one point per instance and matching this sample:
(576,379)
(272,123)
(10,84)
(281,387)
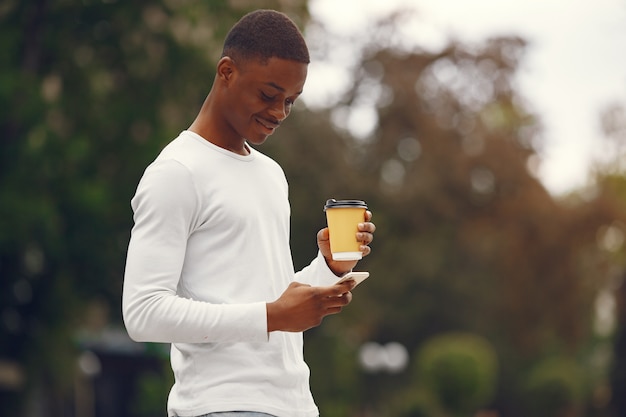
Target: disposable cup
(343,217)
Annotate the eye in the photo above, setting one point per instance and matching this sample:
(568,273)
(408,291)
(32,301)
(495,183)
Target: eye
(267,97)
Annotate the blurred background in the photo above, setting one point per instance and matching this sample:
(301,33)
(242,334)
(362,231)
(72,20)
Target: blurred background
(496,289)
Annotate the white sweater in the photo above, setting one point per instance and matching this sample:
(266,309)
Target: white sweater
(209,249)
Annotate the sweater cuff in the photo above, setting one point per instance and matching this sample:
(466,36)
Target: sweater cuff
(327,277)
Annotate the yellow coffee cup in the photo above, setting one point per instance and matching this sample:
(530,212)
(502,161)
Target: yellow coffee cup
(343,217)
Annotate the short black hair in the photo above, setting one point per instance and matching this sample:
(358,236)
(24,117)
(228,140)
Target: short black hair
(263,34)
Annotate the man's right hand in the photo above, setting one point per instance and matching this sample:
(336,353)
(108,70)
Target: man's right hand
(302,306)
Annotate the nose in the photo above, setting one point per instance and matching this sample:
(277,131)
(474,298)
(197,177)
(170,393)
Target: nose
(280,111)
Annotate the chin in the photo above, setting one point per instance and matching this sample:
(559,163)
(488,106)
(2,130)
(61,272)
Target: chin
(258,140)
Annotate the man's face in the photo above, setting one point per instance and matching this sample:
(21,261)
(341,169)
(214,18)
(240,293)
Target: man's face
(260,96)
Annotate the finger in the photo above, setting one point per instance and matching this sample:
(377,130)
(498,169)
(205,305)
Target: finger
(345,299)
(365,238)
(367,227)
(296,284)
(336,290)
(333,310)
(323,234)
(347,285)
(339,301)
(368,215)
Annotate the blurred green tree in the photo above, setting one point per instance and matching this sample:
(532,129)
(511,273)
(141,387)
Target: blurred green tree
(468,238)
(91,91)
(553,388)
(611,189)
(460,370)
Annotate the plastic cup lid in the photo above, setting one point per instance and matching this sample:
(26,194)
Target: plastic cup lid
(332,203)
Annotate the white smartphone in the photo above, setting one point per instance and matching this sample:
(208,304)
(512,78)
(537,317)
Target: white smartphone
(358,277)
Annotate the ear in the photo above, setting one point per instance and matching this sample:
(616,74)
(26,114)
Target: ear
(225,69)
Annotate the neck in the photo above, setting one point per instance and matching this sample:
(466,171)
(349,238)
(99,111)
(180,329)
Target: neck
(211,126)
(207,135)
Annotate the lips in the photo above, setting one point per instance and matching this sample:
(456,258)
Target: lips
(269,126)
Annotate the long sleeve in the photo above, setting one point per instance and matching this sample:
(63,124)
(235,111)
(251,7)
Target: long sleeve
(317,273)
(165,213)
(208,250)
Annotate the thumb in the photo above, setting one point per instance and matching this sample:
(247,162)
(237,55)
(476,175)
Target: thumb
(323,234)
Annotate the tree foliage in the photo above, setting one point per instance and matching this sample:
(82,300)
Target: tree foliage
(459,370)
(468,239)
(91,91)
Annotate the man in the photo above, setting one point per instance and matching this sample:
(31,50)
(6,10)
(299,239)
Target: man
(209,267)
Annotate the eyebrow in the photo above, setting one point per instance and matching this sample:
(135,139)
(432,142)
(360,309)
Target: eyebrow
(279,88)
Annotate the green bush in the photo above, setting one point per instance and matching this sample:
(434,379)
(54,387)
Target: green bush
(459,369)
(554,387)
(418,403)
